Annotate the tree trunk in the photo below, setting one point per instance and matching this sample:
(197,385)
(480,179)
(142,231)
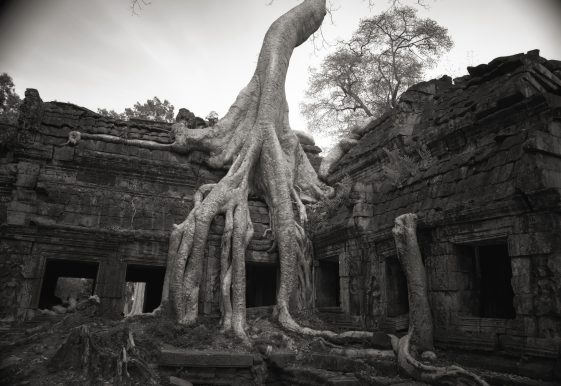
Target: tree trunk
(409,256)
(137,299)
(267,160)
(264,158)
(303,296)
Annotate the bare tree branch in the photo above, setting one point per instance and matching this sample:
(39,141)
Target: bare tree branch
(366,74)
(137,5)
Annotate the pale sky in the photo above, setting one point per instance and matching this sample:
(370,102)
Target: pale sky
(199,54)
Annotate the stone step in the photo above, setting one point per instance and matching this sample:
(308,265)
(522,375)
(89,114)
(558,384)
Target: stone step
(299,375)
(394,324)
(175,357)
(340,321)
(330,310)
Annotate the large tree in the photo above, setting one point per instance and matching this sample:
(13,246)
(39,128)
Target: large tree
(9,99)
(266,160)
(263,157)
(366,74)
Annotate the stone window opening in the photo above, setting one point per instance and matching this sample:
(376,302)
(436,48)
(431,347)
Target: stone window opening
(65,282)
(261,284)
(489,293)
(143,288)
(328,286)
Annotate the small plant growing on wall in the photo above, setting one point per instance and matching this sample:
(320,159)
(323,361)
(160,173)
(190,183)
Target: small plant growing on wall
(319,212)
(400,167)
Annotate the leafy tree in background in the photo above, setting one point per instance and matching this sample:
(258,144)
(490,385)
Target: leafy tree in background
(9,100)
(365,75)
(154,109)
(112,114)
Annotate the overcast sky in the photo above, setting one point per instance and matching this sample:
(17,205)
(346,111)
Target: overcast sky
(199,53)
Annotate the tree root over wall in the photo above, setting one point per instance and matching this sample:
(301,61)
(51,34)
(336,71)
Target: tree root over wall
(409,255)
(263,157)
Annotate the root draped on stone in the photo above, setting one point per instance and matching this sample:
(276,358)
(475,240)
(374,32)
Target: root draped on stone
(409,256)
(442,376)
(267,161)
(263,158)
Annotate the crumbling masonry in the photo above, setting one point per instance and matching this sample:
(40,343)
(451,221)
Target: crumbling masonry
(478,160)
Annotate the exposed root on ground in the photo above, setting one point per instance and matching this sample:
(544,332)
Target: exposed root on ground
(106,355)
(446,376)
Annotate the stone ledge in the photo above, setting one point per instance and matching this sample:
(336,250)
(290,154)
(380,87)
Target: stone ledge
(456,340)
(203,358)
(536,347)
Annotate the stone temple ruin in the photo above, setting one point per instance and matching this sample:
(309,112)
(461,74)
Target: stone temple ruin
(478,159)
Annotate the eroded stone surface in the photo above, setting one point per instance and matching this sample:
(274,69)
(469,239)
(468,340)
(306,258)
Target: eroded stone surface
(478,160)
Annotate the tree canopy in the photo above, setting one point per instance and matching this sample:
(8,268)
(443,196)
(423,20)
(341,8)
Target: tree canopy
(366,74)
(9,100)
(153,109)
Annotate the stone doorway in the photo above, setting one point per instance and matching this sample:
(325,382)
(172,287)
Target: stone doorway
(488,294)
(396,288)
(495,272)
(261,284)
(64,280)
(328,287)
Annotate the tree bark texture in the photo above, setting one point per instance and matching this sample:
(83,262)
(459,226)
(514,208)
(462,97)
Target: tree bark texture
(409,255)
(303,296)
(137,305)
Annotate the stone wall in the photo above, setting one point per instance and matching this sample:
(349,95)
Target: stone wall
(99,202)
(479,161)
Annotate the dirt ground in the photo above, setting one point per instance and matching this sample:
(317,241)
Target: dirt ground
(26,349)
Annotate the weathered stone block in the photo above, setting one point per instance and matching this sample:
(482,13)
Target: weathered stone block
(521,275)
(200,358)
(64,153)
(16,206)
(549,327)
(362,209)
(16,218)
(529,325)
(443,305)
(524,304)
(529,244)
(24,195)
(88,221)
(27,174)
(112,274)
(261,257)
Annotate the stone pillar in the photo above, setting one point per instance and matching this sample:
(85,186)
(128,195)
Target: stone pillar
(110,287)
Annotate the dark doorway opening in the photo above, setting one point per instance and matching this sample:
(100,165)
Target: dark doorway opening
(396,289)
(64,279)
(496,296)
(328,289)
(487,292)
(143,292)
(261,284)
